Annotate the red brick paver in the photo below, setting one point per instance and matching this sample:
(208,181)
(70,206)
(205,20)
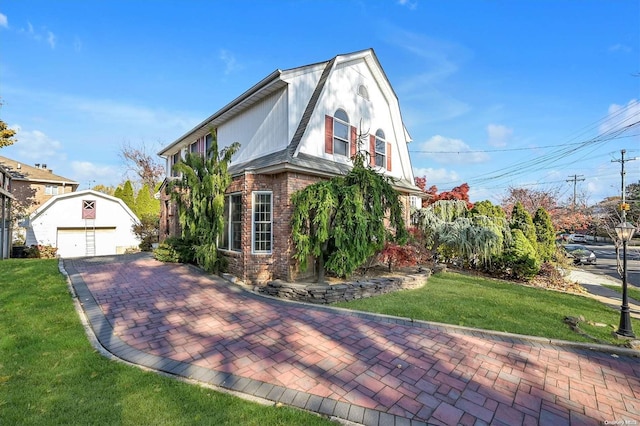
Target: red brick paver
(431,375)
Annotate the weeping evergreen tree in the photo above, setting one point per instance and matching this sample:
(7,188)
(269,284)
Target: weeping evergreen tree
(199,195)
(545,235)
(341,221)
(452,230)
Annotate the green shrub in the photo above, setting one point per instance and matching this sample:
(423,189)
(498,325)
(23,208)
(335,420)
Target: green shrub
(520,259)
(147,230)
(175,250)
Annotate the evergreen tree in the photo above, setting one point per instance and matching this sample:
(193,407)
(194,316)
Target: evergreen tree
(199,195)
(118,192)
(128,197)
(521,219)
(545,235)
(521,257)
(452,231)
(341,221)
(486,208)
(146,205)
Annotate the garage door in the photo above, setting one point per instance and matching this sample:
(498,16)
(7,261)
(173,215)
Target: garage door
(73,242)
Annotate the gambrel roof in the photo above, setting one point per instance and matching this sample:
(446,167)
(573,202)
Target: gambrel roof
(286,137)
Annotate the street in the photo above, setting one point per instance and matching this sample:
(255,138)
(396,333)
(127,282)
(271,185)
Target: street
(606,263)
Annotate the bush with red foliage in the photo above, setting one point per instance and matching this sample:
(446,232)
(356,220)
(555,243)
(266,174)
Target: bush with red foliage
(398,256)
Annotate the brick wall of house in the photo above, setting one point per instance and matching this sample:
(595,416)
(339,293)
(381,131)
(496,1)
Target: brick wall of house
(259,268)
(169,221)
(32,195)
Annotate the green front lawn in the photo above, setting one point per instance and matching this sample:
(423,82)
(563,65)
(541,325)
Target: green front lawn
(478,302)
(632,292)
(50,374)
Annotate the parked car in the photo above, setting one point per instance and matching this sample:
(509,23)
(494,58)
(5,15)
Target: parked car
(578,238)
(580,254)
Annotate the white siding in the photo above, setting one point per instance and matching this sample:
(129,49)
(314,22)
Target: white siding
(64,213)
(261,130)
(301,88)
(380,111)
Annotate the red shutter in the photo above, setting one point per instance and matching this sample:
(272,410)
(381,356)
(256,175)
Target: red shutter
(328,134)
(372,150)
(354,141)
(388,156)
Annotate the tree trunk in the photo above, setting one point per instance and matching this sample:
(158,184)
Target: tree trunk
(320,262)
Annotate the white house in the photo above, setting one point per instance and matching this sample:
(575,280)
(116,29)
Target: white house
(83,223)
(295,127)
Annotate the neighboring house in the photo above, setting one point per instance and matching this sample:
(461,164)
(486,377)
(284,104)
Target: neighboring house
(295,127)
(6,199)
(32,186)
(83,223)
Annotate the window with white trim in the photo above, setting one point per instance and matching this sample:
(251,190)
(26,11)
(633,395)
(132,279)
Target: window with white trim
(262,222)
(193,148)
(232,228)
(341,133)
(207,143)
(51,190)
(175,159)
(362,91)
(381,149)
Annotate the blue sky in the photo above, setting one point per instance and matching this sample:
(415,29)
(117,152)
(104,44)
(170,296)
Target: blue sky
(497,94)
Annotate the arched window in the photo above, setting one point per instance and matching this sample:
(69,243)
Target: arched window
(362,91)
(380,149)
(341,133)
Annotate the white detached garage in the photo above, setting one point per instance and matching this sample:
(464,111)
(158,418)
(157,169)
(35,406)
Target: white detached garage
(83,223)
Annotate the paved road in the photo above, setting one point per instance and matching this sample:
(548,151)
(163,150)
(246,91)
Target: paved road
(365,368)
(607,265)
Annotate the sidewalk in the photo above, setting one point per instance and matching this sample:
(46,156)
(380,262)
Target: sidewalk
(593,283)
(357,367)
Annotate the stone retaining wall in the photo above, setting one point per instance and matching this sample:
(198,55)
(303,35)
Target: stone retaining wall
(326,294)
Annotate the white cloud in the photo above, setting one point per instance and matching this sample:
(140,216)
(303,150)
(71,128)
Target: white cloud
(449,150)
(620,48)
(499,135)
(123,113)
(434,176)
(88,174)
(621,116)
(37,146)
(4,22)
(412,5)
(230,62)
(45,35)
(51,39)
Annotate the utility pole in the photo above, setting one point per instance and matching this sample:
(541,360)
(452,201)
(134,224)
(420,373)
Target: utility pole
(623,207)
(575,181)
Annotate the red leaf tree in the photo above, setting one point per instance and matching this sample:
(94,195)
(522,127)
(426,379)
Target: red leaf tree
(458,193)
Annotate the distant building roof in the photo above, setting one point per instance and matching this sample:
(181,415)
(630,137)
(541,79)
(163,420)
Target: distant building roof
(37,173)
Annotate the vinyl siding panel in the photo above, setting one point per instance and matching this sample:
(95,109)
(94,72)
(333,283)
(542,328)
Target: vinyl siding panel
(260,130)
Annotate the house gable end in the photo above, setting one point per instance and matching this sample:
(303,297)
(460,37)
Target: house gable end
(357,85)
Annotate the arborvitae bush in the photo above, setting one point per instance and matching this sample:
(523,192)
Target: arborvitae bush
(545,235)
(520,260)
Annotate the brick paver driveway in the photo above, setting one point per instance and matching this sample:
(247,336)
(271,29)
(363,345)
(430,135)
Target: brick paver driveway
(364,368)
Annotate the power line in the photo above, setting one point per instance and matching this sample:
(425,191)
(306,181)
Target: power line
(487,151)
